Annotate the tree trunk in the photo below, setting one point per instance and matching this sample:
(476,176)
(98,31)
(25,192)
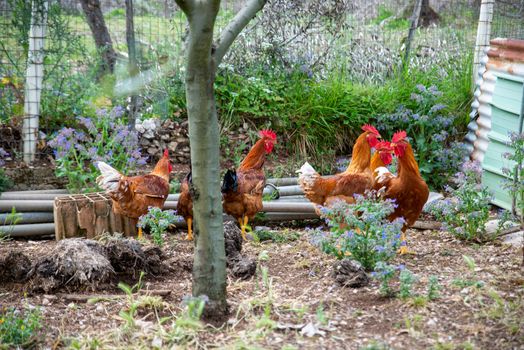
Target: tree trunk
(133,65)
(95,19)
(209,269)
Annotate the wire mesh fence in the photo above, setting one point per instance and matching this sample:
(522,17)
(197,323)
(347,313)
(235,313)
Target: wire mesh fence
(365,40)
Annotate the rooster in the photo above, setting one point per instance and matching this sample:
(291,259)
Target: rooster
(357,178)
(133,195)
(408,189)
(184,206)
(242,188)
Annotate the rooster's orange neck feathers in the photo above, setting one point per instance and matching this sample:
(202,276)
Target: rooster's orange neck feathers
(256,157)
(162,168)
(361,155)
(407,164)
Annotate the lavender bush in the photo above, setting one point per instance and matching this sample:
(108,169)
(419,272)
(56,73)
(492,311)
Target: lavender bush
(432,132)
(466,213)
(105,137)
(361,231)
(515,185)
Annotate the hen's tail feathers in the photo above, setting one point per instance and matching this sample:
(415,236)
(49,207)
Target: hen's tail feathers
(230,182)
(109,178)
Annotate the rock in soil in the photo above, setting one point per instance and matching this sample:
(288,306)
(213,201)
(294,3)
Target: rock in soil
(233,240)
(241,266)
(73,263)
(14,267)
(349,273)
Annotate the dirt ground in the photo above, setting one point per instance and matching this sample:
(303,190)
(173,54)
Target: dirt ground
(479,307)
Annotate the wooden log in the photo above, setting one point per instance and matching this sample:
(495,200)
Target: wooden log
(83,298)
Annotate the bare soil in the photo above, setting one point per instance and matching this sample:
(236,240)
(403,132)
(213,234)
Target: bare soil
(479,307)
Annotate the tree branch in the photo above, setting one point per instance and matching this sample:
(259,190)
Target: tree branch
(186,6)
(236,25)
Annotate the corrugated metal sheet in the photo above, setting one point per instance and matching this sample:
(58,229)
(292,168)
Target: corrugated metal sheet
(499,105)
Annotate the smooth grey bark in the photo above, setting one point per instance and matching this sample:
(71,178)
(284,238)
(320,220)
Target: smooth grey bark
(132,65)
(95,19)
(209,268)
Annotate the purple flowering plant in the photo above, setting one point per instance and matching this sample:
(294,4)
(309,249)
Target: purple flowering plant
(466,213)
(433,135)
(360,231)
(105,137)
(515,183)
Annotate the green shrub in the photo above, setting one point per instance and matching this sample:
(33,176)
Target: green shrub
(19,328)
(158,221)
(360,231)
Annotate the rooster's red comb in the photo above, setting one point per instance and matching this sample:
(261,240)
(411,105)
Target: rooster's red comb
(399,136)
(383,145)
(166,153)
(370,128)
(267,133)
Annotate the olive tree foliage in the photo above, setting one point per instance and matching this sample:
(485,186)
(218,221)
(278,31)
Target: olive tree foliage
(202,59)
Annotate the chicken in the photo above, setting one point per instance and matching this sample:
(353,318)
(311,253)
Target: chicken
(242,188)
(132,196)
(184,206)
(408,189)
(357,178)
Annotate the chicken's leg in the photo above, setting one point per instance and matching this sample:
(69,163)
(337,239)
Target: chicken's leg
(403,245)
(243,224)
(189,229)
(139,232)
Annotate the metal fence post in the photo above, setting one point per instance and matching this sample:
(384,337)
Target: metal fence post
(483,35)
(34,77)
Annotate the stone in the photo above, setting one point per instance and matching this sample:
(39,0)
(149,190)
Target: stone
(350,273)
(172,146)
(152,151)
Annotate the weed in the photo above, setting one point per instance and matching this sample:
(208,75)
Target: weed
(158,221)
(20,328)
(275,236)
(465,216)
(321,314)
(407,279)
(385,272)
(515,185)
(11,220)
(129,315)
(419,301)
(433,288)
